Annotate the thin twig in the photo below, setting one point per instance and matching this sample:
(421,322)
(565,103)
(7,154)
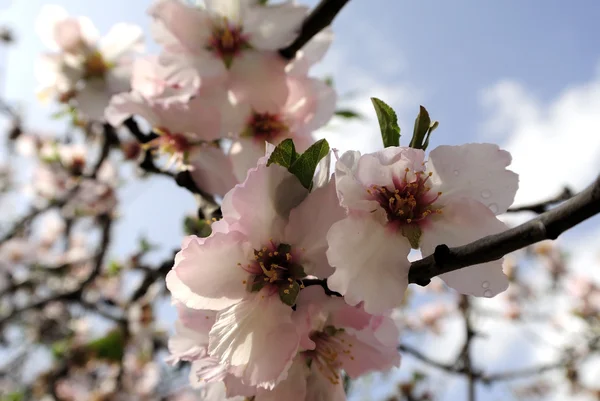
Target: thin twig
(542,207)
(319,18)
(548,225)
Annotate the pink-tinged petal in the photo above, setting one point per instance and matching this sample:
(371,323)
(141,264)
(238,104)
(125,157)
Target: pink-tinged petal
(311,53)
(257,338)
(380,168)
(216,391)
(370,263)
(155,79)
(121,39)
(259,79)
(325,100)
(308,226)
(272,27)
(92,100)
(475,170)
(264,202)
(232,9)
(186,344)
(244,154)
(46,22)
(366,354)
(320,387)
(212,170)
(205,64)
(191,26)
(292,388)
(234,389)
(67,35)
(462,221)
(208,275)
(385,330)
(89,32)
(352,193)
(125,105)
(118,79)
(200,321)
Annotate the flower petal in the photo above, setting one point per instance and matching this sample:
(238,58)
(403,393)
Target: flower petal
(371,263)
(272,27)
(311,53)
(257,338)
(308,226)
(464,220)
(120,40)
(212,170)
(476,170)
(264,202)
(207,275)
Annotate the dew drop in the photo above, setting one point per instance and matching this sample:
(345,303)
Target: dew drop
(493,207)
(456,172)
(485,284)
(485,194)
(487,294)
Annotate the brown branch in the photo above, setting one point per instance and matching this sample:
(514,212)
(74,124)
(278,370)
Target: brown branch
(76,294)
(319,18)
(548,225)
(542,207)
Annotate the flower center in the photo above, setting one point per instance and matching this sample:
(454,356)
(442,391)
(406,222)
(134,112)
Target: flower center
(274,265)
(95,66)
(409,202)
(170,142)
(227,41)
(330,346)
(265,126)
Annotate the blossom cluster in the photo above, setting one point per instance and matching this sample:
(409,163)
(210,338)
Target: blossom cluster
(250,314)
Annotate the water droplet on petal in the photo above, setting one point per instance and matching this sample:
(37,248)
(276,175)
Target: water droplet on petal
(485,194)
(456,172)
(485,284)
(493,207)
(487,294)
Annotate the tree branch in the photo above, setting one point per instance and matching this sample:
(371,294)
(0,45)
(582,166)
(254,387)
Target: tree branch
(544,206)
(548,225)
(319,18)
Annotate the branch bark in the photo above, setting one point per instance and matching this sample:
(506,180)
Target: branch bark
(319,18)
(548,225)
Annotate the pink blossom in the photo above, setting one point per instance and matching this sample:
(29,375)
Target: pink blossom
(84,68)
(309,106)
(250,270)
(396,201)
(233,38)
(157,80)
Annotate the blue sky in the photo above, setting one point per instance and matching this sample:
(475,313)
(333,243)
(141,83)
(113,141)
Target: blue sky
(524,74)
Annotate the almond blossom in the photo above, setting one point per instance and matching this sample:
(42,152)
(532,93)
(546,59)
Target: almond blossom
(233,39)
(396,201)
(83,68)
(310,105)
(250,270)
(334,336)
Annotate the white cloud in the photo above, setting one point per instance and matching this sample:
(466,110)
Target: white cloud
(553,143)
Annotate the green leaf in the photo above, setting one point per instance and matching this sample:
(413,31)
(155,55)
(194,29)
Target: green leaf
(348,114)
(423,129)
(114,267)
(297,271)
(289,293)
(14,396)
(258,283)
(284,154)
(305,166)
(388,123)
(195,226)
(109,347)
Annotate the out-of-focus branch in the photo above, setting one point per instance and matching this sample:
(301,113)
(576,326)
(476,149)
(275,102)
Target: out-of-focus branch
(105,222)
(319,18)
(542,207)
(548,225)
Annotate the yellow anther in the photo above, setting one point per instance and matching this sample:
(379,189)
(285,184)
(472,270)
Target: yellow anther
(286,291)
(264,249)
(408,220)
(275,253)
(407,169)
(214,219)
(271,254)
(288,256)
(430,174)
(290,279)
(244,282)
(439,193)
